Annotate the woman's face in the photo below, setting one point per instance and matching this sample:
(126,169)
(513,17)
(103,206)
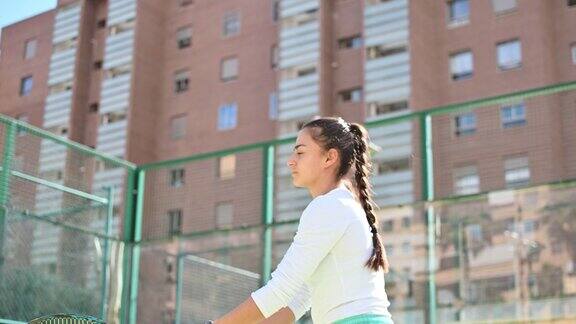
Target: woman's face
(308,161)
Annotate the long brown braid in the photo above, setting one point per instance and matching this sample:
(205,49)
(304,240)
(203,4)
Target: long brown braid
(351,142)
(363,169)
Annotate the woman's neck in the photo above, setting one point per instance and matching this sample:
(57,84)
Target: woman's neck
(324,188)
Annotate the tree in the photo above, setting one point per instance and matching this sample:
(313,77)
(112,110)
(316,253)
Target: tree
(27,293)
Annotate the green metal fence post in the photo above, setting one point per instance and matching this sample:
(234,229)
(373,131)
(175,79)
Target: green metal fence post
(267,211)
(9,138)
(133,206)
(105,255)
(179,284)
(428,196)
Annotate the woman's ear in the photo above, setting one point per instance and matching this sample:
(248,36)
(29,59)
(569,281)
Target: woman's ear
(331,157)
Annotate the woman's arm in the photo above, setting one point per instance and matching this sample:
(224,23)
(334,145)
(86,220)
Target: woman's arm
(245,313)
(322,224)
(283,316)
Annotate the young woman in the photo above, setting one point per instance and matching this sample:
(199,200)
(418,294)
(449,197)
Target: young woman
(336,263)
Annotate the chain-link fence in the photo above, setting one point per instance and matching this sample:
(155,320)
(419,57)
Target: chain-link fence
(61,248)
(476,214)
(216,222)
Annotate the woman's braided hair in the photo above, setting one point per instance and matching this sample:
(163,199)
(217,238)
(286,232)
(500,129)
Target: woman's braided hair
(351,142)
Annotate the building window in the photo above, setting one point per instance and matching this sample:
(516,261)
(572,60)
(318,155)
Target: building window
(573,51)
(229,69)
(181,80)
(516,172)
(461,65)
(30,49)
(406,248)
(184,37)
(529,226)
(388,225)
(274,56)
(224,215)
(503,6)
(350,95)
(231,24)
(176,178)
(58,130)
(458,11)
(275,10)
(227,167)
(175,221)
(465,124)
(379,108)
(389,249)
(350,42)
(466,180)
(184,3)
(26,84)
(571,3)
(94,107)
(227,116)
(509,55)
(98,65)
(474,233)
(306,71)
(112,117)
(273,106)
(20,131)
(101,23)
(384,167)
(379,51)
(513,115)
(406,222)
(52,175)
(178,127)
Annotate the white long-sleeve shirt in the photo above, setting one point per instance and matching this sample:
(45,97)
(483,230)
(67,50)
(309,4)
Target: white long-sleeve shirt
(324,266)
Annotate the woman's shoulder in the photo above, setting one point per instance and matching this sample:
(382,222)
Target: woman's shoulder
(339,201)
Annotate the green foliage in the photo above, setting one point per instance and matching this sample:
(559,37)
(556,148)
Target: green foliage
(26,293)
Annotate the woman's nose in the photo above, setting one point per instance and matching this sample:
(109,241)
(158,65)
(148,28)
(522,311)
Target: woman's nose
(290,163)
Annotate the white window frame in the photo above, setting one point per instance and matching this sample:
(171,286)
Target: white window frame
(229,68)
(175,221)
(26,85)
(461,65)
(181,81)
(227,167)
(512,48)
(466,180)
(30,48)
(455,21)
(226,207)
(517,115)
(273,107)
(463,124)
(227,116)
(178,125)
(351,95)
(517,171)
(573,52)
(184,37)
(231,17)
(177,177)
(504,6)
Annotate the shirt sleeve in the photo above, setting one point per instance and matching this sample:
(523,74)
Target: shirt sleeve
(300,304)
(322,224)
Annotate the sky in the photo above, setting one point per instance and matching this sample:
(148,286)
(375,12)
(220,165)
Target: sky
(12,11)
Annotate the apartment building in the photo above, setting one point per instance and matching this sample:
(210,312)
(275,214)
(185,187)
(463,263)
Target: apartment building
(155,80)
